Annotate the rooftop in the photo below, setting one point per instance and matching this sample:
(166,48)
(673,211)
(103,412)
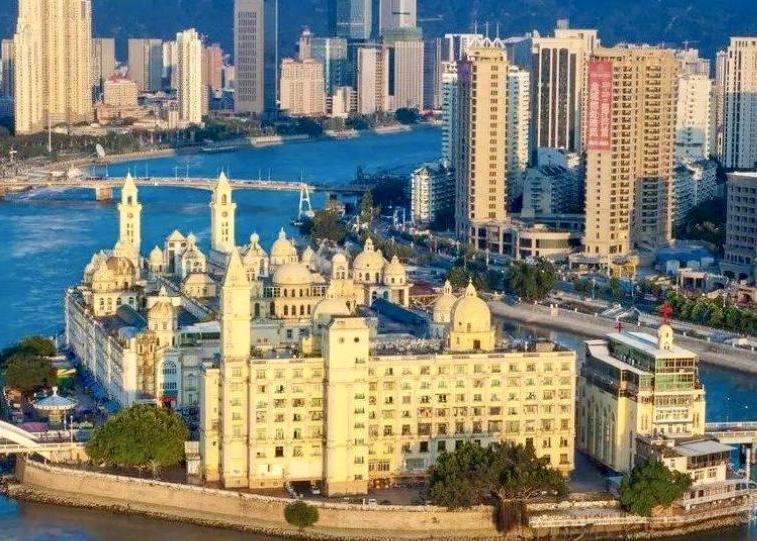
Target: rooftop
(648,344)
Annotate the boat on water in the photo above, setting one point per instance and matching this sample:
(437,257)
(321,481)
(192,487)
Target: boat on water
(218,149)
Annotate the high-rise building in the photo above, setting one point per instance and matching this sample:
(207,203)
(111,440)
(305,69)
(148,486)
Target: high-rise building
(146,64)
(405,47)
(716,141)
(432,194)
(740,113)
(557,87)
(630,131)
(397,14)
(120,92)
(212,66)
(450,114)
(7,56)
(432,74)
(740,259)
(690,63)
(350,19)
(302,87)
(189,87)
(481,167)
(332,54)
(256,55)
(52,70)
(454,46)
(372,79)
(693,117)
(518,119)
(103,61)
(170,62)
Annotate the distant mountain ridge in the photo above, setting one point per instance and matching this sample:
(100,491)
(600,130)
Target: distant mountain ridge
(706,24)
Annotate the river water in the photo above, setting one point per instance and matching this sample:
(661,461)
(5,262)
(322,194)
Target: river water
(49,236)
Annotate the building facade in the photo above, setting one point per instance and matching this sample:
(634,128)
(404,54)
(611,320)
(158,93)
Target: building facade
(52,68)
(557,92)
(740,107)
(342,411)
(103,61)
(372,79)
(190,90)
(7,56)
(740,257)
(302,87)
(636,385)
(350,19)
(693,117)
(481,167)
(432,194)
(256,57)
(146,64)
(518,120)
(332,54)
(629,151)
(397,14)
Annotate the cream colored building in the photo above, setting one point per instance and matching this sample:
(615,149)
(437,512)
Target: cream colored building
(481,167)
(636,385)
(518,119)
(372,79)
(343,411)
(189,86)
(120,93)
(52,69)
(739,104)
(693,117)
(303,87)
(629,151)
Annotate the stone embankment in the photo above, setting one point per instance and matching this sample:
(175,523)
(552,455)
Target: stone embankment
(597,327)
(265,515)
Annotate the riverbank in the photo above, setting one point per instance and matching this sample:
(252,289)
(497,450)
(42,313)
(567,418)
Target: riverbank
(591,520)
(598,327)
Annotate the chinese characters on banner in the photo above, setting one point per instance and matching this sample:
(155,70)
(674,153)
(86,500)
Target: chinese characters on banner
(600,104)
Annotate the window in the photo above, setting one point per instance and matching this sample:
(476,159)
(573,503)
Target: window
(279,452)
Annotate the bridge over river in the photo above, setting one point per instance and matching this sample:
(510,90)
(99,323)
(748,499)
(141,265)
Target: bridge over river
(103,187)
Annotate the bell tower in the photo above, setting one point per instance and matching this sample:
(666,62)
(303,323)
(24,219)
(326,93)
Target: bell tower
(222,210)
(129,220)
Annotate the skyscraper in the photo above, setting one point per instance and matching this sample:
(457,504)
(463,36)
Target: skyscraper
(405,46)
(450,114)
(332,54)
(481,168)
(256,55)
(716,140)
(302,87)
(212,66)
(693,117)
(432,74)
(7,56)
(397,14)
(372,79)
(518,118)
(557,87)
(350,19)
(146,64)
(189,86)
(740,257)
(103,61)
(630,131)
(52,51)
(740,114)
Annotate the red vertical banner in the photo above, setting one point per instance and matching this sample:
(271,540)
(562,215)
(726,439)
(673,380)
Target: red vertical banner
(599,105)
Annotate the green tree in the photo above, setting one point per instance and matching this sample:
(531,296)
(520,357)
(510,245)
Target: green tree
(29,373)
(140,436)
(37,346)
(472,475)
(301,514)
(652,484)
(615,289)
(325,225)
(531,281)
(366,209)
(405,115)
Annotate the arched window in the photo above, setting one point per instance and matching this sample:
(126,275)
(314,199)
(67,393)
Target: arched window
(169,369)
(224,199)
(286,310)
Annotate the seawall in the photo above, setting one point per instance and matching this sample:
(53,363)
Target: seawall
(265,515)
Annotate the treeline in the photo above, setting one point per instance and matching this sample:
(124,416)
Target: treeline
(713,313)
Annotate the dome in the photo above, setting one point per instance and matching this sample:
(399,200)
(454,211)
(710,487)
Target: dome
(330,307)
(163,309)
(156,255)
(175,236)
(368,259)
(339,259)
(443,305)
(283,247)
(470,313)
(308,255)
(394,272)
(292,274)
(119,266)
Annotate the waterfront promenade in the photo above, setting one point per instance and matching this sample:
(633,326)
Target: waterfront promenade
(597,327)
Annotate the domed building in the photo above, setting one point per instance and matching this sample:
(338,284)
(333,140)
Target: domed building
(379,278)
(308,258)
(173,248)
(156,261)
(192,261)
(441,316)
(112,283)
(282,251)
(296,291)
(255,259)
(471,323)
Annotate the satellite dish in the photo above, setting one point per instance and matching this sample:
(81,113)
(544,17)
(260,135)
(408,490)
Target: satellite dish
(100,151)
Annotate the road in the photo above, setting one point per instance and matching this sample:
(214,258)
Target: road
(597,327)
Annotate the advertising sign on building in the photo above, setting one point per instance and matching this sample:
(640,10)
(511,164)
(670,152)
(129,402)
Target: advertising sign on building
(600,105)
